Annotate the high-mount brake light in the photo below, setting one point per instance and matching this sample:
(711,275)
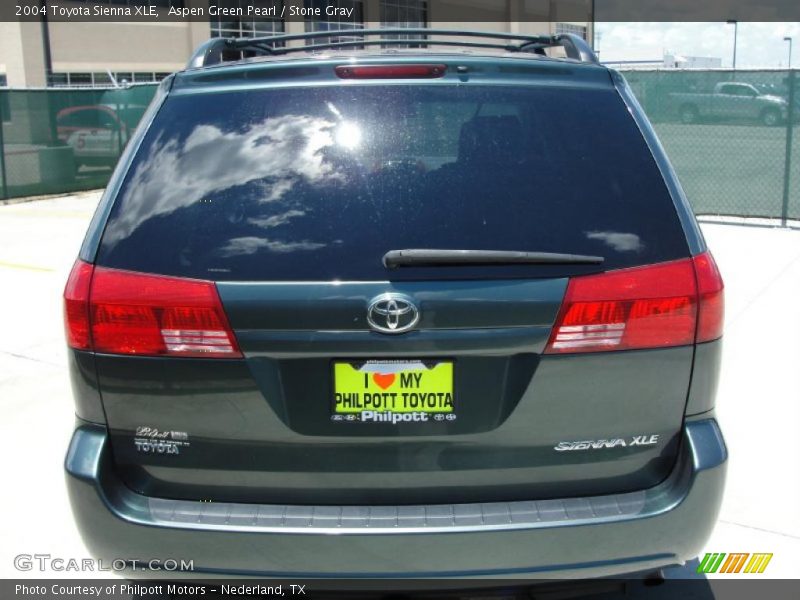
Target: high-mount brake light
(390,71)
(668,304)
(122,312)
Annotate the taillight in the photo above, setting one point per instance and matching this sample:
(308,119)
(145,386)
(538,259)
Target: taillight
(655,306)
(76,306)
(123,312)
(390,71)
(711,317)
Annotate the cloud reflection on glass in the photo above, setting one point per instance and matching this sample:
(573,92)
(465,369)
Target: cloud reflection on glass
(175,174)
(619,241)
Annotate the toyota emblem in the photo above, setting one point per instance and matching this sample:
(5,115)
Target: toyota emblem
(392,313)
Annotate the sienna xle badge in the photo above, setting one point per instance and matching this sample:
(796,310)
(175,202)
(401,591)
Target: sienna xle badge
(396,312)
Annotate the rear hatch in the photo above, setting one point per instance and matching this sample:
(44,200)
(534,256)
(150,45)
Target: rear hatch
(288,198)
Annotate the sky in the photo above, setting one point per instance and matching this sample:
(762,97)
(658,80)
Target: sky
(759,44)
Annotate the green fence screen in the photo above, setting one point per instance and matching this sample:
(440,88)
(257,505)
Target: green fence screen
(730,135)
(64,140)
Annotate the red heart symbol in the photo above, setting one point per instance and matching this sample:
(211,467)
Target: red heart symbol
(384,381)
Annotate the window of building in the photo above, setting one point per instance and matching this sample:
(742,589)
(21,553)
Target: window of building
(102,79)
(579,30)
(238,28)
(80,79)
(233,27)
(160,3)
(3,80)
(404,14)
(352,23)
(58,80)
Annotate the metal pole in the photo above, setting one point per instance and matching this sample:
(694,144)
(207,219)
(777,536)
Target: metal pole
(119,124)
(787,165)
(3,148)
(47,51)
(735,36)
(789,39)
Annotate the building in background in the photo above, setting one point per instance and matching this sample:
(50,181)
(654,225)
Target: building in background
(669,61)
(39,54)
(676,61)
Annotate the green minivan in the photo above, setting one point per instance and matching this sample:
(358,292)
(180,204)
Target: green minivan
(356,309)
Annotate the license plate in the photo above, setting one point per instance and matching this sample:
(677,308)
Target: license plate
(393,391)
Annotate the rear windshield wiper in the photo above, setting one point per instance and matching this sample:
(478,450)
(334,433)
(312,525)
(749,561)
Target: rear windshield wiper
(421,257)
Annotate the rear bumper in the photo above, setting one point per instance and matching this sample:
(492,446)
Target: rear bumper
(576,537)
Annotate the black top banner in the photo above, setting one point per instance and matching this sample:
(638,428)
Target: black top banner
(351,12)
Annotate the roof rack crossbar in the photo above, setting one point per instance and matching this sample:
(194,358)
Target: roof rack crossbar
(211,52)
(422,31)
(355,43)
(575,46)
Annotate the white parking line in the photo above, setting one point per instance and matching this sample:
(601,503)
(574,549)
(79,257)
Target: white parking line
(20,266)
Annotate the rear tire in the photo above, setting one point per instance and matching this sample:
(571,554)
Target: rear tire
(689,114)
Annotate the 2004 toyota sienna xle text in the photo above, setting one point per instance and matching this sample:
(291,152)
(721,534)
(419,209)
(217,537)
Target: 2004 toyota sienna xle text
(396,312)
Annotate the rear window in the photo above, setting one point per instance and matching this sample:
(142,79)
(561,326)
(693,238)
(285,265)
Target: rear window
(319,183)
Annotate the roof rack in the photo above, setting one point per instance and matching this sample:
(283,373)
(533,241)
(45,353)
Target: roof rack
(212,51)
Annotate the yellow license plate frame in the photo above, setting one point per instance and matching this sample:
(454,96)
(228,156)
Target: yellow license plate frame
(425,388)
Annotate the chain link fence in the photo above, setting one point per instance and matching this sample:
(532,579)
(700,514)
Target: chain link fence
(728,133)
(64,140)
(731,136)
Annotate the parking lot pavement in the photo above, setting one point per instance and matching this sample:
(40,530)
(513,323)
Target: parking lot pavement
(758,400)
